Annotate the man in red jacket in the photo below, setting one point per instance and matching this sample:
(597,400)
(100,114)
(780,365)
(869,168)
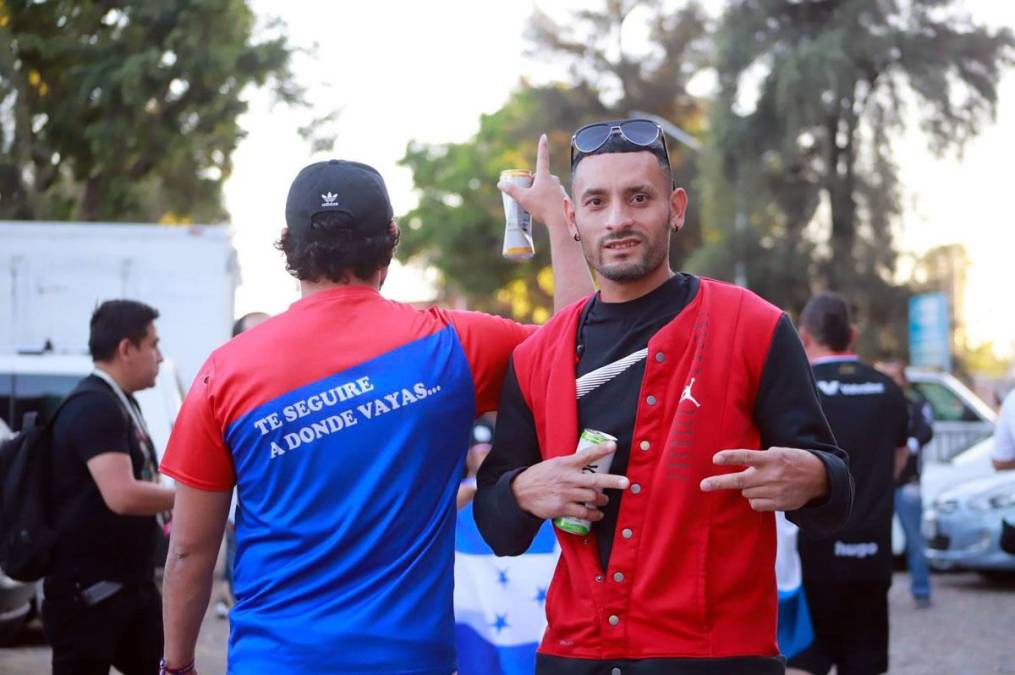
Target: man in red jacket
(710,395)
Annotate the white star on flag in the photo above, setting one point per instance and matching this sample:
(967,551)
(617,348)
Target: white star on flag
(500,602)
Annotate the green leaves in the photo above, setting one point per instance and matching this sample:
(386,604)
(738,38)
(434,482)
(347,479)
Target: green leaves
(458,225)
(811,95)
(459,222)
(140,102)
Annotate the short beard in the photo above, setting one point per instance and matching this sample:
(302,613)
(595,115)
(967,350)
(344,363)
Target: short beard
(635,270)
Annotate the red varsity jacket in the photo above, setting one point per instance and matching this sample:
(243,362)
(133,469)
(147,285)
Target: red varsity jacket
(691,573)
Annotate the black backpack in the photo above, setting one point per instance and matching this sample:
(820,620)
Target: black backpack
(27,530)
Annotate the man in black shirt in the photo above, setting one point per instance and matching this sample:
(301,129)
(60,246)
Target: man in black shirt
(669,521)
(102,607)
(846,578)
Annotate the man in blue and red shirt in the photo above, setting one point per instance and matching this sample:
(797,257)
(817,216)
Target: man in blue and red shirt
(694,378)
(344,424)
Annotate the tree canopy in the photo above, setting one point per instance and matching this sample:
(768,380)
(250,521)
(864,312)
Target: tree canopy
(802,186)
(126,110)
(458,224)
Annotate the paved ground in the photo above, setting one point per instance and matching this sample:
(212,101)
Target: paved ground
(967,632)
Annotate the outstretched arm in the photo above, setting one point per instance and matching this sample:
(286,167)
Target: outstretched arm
(545,201)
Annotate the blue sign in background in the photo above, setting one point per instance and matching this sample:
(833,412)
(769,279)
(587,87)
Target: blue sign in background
(930,331)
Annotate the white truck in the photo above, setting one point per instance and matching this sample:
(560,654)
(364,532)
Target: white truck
(53,275)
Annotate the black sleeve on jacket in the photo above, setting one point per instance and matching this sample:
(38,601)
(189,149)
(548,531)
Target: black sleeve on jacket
(788,413)
(504,525)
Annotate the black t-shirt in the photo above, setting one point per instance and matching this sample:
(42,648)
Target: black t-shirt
(95,544)
(868,413)
(786,412)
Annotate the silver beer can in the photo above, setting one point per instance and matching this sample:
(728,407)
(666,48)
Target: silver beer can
(517,221)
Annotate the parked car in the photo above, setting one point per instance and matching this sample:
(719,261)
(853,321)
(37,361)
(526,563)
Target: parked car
(963,525)
(960,449)
(971,464)
(961,418)
(37,383)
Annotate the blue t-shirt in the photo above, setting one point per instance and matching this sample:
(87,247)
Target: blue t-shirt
(344,423)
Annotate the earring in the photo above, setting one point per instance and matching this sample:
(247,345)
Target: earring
(577,236)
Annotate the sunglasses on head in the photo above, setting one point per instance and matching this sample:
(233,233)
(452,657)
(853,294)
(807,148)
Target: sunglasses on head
(638,132)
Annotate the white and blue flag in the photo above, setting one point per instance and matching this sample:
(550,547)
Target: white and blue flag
(500,602)
(795,631)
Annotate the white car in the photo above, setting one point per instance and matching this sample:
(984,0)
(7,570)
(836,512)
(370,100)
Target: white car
(961,418)
(37,382)
(970,465)
(960,449)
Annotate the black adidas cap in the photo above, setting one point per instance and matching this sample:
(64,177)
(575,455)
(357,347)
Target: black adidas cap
(354,190)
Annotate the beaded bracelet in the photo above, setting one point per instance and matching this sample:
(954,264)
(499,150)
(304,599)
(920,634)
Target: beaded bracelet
(164,668)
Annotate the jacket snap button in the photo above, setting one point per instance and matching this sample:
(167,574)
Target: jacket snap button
(660,357)
(645,445)
(599,577)
(626,533)
(635,488)
(614,619)
(651,400)
(618,576)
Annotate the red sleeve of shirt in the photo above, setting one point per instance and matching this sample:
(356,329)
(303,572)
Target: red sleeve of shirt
(488,342)
(196,454)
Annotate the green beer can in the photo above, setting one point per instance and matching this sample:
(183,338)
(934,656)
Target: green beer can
(588,438)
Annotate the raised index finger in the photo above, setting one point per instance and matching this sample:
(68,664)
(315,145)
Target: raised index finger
(543,156)
(740,457)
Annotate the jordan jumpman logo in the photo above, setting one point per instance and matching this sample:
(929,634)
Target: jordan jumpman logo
(688,396)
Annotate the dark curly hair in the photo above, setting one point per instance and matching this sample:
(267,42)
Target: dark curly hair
(333,248)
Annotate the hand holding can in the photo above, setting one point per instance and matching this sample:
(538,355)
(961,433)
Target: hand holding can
(588,439)
(539,195)
(517,221)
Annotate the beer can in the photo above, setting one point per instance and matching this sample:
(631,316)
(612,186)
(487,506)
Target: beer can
(517,221)
(588,438)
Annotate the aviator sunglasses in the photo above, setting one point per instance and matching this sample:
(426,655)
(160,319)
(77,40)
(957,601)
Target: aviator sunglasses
(640,132)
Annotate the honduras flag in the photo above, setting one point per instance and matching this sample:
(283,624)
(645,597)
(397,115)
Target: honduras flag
(500,602)
(795,632)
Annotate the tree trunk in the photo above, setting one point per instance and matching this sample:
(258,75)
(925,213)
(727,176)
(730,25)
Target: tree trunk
(90,203)
(842,200)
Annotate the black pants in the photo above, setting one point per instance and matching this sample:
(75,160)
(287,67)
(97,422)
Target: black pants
(124,630)
(850,628)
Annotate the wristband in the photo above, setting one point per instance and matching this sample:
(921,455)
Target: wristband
(164,668)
